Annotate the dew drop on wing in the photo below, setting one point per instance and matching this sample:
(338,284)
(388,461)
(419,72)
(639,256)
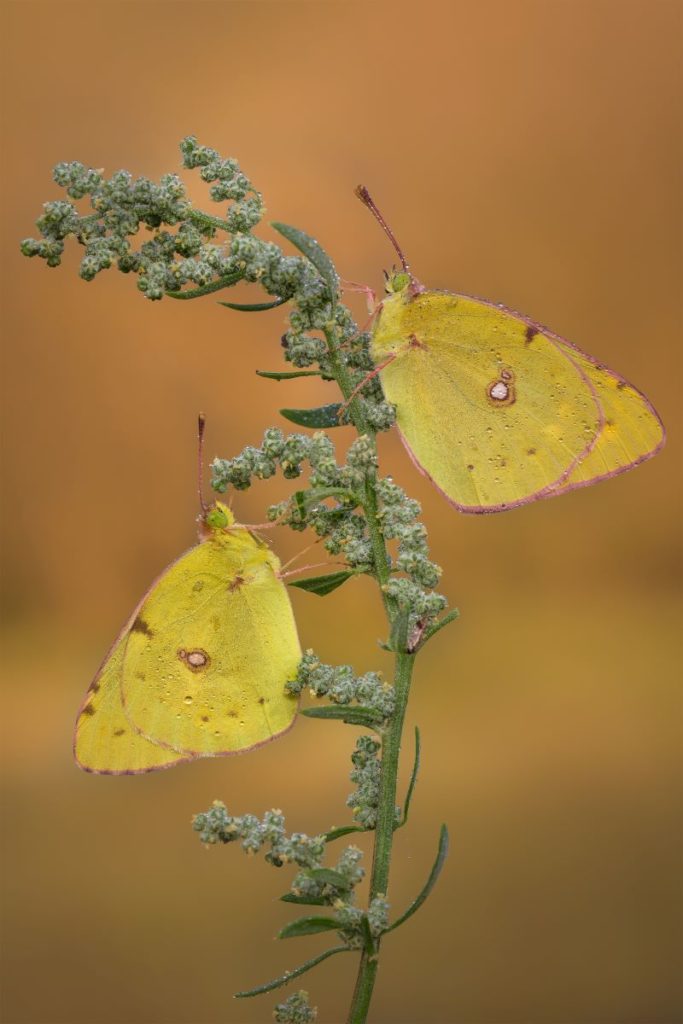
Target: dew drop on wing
(188,699)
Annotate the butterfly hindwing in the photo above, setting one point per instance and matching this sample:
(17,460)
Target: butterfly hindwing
(105,741)
(212,648)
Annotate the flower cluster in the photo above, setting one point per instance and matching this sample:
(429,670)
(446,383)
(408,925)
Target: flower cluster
(398,517)
(295,1010)
(340,685)
(217,826)
(123,205)
(313,884)
(344,531)
(331,885)
(364,801)
(351,918)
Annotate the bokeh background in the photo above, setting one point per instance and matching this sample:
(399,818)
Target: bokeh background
(524,151)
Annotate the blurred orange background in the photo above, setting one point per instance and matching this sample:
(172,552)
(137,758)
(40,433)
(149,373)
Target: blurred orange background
(525,151)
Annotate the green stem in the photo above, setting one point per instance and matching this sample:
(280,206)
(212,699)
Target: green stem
(384,833)
(391,740)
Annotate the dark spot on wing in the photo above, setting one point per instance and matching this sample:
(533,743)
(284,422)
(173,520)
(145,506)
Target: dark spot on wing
(621,384)
(531,451)
(140,675)
(236,584)
(119,732)
(94,686)
(140,626)
(88,710)
(205,718)
(414,342)
(232,714)
(470,467)
(261,700)
(530,334)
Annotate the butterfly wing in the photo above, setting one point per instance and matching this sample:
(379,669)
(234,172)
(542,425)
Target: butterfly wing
(631,431)
(497,411)
(205,669)
(105,741)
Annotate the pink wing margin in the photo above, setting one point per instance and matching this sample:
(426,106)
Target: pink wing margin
(556,488)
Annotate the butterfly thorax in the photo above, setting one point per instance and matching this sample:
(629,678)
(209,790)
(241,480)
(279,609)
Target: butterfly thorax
(217,526)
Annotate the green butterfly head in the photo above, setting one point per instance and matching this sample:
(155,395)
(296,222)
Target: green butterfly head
(218,516)
(396,281)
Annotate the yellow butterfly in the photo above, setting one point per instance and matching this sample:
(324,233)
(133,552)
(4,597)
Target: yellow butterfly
(199,669)
(495,409)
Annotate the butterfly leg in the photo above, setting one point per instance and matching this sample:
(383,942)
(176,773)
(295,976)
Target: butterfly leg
(370,293)
(366,379)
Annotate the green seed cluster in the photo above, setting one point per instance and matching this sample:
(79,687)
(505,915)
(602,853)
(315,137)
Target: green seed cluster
(345,532)
(295,1010)
(217,826)
(339,684)
(398,516)
(123,205)
(335,886)
(365,774)
(378,915)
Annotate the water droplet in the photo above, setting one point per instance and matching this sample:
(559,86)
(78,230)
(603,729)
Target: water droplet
(188,699)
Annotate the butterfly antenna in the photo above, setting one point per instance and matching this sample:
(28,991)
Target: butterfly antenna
(368,201)
(201,425)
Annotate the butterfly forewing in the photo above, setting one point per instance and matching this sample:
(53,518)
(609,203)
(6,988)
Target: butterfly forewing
(490,408)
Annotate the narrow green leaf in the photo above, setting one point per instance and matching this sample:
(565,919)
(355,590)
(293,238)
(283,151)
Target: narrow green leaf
(195,293)
(324,416)
(318,494)
(308,926)
(314,252)
(286,374)
(291,975)
(352,715)
(253,307)
(413,780)
(430,883)
(326,876)
(343,830)
(323,585)
(306,901)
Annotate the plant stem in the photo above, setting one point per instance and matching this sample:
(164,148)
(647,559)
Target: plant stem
(384,832)
(391,740)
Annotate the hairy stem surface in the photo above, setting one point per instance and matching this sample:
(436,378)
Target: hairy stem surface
(391,740)
(384,833)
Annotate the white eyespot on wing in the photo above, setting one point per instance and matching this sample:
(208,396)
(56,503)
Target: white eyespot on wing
(500,391)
